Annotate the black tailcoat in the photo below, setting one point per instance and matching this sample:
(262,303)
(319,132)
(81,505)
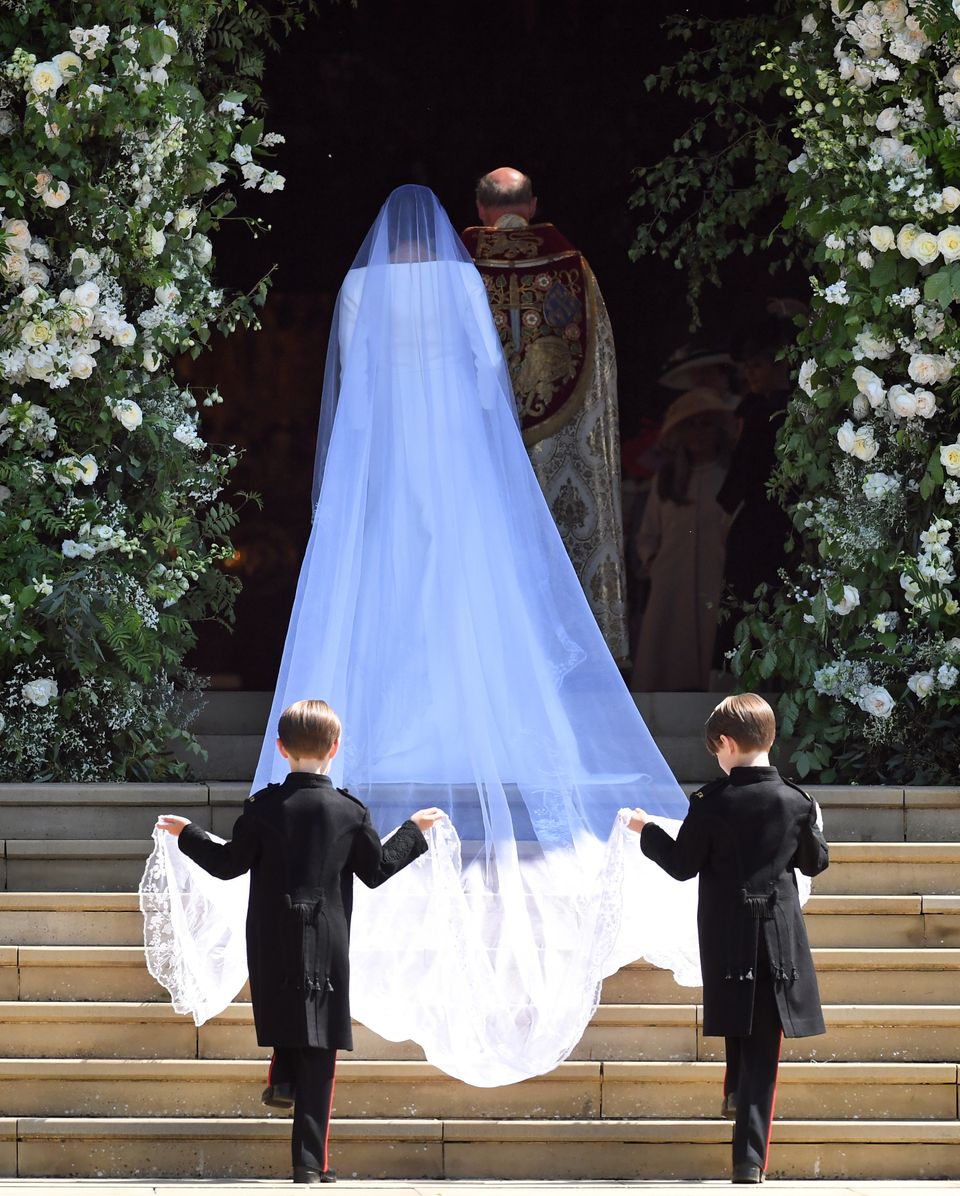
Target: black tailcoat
(744,835)
(303,841)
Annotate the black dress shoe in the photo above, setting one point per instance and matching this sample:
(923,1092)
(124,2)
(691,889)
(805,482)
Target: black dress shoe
(728,1109)
(747,1173)
(279,1096)
(303,1175)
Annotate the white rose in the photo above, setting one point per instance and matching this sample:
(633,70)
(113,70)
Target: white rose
(902,402)
(809,23)
(950,458)
(167,295)
(925,247)
(125,335)
(846,436)
(860,405)
(154,240)
(184,218)
(30,294)
(56,196)
(67,63)
(45,78)
(949,199)
(905,238)
(87,469)
(41,692)
(37,275)
(150,361)
(862,76)
(869,384)
(805,377)
(921,684)
(850,601)
(38,332)
(875,700)
(888,120)
(865,447)
(926,402)
(18,234)
(882,237)
(14,266)
(87,294)
(201,248)
(81,365)
(128,413)
(949,242)
(866,259)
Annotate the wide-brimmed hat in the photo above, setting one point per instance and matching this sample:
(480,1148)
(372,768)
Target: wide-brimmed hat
(702,400)
(694,355)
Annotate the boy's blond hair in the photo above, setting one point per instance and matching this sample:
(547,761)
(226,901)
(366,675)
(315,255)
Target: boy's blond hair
(746,719)
(309,729)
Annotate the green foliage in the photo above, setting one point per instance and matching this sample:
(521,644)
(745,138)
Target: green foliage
(719,192)
(124,130)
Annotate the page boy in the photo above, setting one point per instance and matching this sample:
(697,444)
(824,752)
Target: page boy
(303,841)
(744,834)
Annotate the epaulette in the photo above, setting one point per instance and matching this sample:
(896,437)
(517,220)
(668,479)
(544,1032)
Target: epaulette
(706,790)
(261,792)
(794,785)
(352,798)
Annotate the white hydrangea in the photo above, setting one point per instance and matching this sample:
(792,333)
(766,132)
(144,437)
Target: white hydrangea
(41,692)
(879,485)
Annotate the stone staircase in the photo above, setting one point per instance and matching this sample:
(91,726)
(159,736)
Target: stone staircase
(99,1078)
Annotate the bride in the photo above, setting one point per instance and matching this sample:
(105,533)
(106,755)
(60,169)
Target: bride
(438,613)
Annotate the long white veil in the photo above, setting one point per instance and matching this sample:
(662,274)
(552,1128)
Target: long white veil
(438,612)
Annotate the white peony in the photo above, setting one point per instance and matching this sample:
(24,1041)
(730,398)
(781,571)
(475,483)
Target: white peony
(922,684)
(902,402)
(927,369)
(949,200)
(128,413)
(805,377)
(82,366)
(870,384)
(850,601)
(154,240)
(56,196)
(87,294)
(926,402)
(876,700)
(88,469)
(167,295)
(41,692)
(888,120)
(18,234)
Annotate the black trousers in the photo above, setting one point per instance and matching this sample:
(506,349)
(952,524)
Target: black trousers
(752,1065)
(311,1071)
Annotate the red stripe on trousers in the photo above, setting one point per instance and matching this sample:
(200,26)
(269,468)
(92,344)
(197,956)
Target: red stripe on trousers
(773,1104)
(326,1140)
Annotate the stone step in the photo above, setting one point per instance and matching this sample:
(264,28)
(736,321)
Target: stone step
(116,865)
(875,976)
(379,1089)
(882,815)
(251,1148)
(892,868)
(660,1033)
(891,976)
(113,919)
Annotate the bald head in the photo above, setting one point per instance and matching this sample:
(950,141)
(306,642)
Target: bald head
(505,190)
